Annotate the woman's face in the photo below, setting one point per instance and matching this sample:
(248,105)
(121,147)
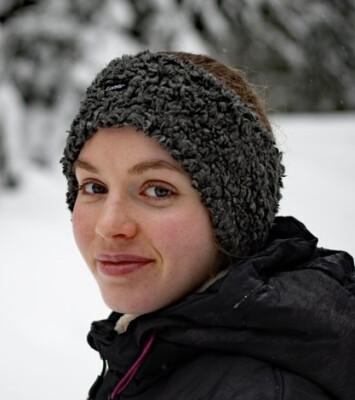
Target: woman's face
(139,223)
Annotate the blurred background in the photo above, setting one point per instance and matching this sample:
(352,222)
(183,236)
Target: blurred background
(300,55)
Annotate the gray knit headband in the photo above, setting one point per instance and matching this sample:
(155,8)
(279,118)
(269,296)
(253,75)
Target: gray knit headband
(230,156)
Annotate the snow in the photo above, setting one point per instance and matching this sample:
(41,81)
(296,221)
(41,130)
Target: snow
(320,168)
(48,299)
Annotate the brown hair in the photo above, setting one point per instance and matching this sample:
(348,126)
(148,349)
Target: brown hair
(232,78)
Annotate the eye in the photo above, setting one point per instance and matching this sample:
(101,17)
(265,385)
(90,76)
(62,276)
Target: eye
(92,188)
(158,191)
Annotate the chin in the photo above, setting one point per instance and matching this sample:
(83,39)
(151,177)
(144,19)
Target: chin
(124,307)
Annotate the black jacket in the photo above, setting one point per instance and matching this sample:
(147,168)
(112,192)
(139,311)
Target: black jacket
(279,325)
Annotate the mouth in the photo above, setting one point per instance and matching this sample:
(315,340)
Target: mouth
(121,264)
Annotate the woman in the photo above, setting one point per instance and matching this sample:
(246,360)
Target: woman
(174,182)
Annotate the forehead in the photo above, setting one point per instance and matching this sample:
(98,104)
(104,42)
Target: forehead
(125,146)
(126,140)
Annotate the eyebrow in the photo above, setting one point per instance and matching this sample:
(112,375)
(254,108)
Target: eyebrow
(154,164)
(136,169)
(84,165)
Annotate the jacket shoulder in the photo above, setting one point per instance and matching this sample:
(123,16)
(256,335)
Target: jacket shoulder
(216,376)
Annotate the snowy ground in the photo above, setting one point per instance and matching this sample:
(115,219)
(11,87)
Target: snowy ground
(48,299)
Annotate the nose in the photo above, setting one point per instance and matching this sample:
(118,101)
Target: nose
(116,220)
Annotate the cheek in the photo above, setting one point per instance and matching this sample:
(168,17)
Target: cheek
(82,228)
(188,253)
(187,233)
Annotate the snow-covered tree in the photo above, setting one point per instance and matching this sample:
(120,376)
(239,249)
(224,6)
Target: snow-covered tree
(53,49)
(11,128)
(304,50)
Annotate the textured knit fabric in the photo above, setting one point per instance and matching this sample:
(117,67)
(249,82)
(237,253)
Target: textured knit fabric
(230,156)
(279,326)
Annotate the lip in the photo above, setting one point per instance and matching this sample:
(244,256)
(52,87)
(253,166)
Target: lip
(121,264)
